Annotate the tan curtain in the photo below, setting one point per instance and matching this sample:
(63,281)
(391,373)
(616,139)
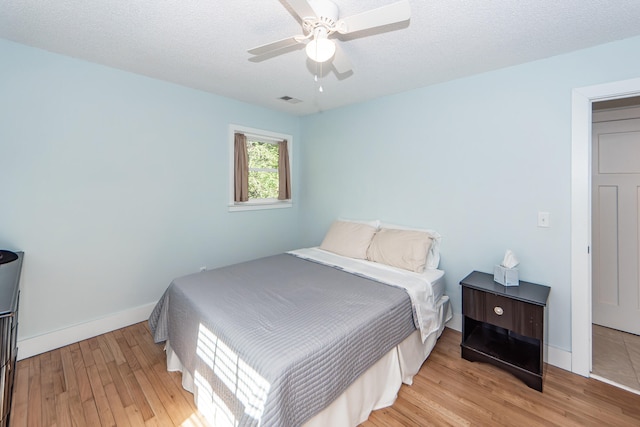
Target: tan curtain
(284,173)
(241,169)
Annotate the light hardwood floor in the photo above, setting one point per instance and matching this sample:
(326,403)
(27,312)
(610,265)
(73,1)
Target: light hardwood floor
(120,378)
(115,379)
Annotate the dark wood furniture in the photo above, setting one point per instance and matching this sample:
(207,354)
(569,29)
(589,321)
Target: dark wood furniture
(9,296)
(504,326)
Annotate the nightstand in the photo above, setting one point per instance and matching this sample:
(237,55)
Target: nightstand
(10,269)
(504,326)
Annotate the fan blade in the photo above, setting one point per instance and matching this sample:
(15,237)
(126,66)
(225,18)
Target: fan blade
(270,47)
(302,8)
(340,61)
(390,14)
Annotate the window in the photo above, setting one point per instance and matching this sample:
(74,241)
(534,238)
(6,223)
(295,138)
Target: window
(263,169)
(260,172)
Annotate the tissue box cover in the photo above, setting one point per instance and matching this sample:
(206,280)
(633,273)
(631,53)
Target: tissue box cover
(506,276)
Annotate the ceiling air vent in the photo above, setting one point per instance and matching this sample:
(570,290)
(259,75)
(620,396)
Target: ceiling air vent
(290,100)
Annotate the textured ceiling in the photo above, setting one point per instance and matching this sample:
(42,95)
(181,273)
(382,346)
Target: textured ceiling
(203,43)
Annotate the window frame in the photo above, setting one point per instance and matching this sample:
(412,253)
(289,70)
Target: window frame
(262,136)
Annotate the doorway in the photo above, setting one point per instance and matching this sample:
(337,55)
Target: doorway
(615,154)
(581,327)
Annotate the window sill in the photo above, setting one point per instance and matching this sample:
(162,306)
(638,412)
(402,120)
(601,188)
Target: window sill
(254,206)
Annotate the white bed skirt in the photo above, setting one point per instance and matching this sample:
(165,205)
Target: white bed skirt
(376,388)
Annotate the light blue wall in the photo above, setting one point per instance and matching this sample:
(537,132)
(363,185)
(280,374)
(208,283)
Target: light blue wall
(114,183)
(475,159)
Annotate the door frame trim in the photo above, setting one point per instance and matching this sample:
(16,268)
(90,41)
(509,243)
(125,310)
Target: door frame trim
(581,111)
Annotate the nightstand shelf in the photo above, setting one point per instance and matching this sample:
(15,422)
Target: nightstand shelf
(504,326)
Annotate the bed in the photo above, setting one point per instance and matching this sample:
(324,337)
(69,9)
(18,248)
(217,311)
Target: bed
(317,336)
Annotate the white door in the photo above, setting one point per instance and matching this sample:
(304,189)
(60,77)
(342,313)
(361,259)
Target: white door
(616,219)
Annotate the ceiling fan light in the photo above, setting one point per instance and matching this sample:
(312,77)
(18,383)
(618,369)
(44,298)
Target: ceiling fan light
(320,49)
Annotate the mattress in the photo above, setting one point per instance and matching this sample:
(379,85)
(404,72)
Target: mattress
(208,317)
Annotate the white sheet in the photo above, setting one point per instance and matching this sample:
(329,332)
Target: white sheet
(419,286)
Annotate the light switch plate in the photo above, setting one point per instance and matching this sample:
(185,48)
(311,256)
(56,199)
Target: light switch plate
(543,219)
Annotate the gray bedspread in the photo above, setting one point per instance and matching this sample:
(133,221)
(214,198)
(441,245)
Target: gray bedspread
(277,339)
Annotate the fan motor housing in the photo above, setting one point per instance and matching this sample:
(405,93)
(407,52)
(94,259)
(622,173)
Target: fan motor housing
(327,14)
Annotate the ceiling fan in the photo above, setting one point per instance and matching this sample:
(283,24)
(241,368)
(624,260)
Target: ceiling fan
(321,18)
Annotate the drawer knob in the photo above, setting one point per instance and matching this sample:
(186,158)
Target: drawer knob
(498,310)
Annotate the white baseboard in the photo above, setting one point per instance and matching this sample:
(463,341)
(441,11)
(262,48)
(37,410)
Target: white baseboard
(42,343)
(553,356)
(558,358)
(455,322)
(36,345)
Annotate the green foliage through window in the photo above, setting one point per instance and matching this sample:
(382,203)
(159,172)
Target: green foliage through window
(263,170)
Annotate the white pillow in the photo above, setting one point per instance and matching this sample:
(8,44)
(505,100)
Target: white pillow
(433,257)
(406,249)
(348,238)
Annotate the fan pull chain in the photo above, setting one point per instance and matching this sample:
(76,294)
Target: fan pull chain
(315,77)
(320,89)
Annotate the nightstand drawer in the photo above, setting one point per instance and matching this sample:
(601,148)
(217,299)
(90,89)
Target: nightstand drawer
(473,304)
(518,316)
(500,311)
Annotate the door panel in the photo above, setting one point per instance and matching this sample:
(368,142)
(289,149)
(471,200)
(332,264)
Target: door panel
(606,233)
(618,153)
